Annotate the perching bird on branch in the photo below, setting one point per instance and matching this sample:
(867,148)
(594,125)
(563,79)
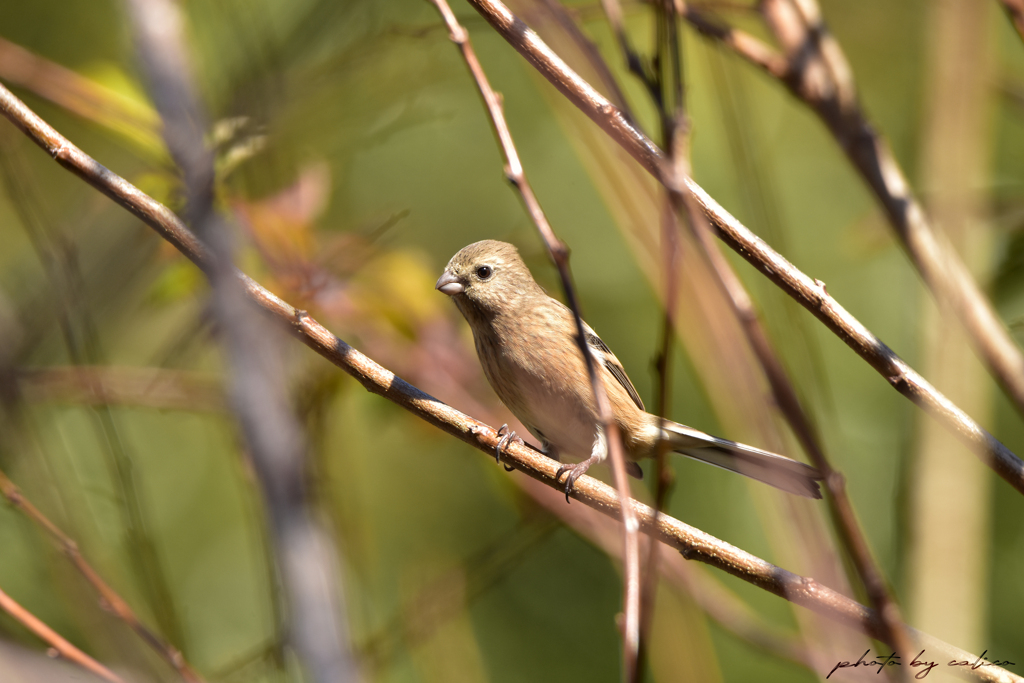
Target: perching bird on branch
(526,342)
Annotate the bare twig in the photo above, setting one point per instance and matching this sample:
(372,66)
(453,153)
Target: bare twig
(692,543)
(741,42)
(564,18)
(60,258)
(664,85)
(1015,10)
(634,62)
(109,598)
(560,255)
(678,167)
(850,533)
(819,75)
(449,595)
(664,476)
(811,294)
(104,385)
(719,603)
(55,640)
(76,93)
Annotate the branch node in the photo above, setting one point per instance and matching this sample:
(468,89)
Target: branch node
(458,35)
(559,251)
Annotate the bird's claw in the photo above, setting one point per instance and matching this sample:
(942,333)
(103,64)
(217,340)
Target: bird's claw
(507,437)
(575,472)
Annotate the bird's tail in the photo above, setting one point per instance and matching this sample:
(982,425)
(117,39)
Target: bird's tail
(776,470)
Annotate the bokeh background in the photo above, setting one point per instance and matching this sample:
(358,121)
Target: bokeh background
(354,158)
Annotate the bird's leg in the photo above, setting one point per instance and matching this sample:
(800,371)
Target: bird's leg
(507,436)
(597,454)
(575,472)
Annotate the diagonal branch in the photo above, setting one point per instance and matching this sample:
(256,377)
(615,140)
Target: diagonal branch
(840,505)
(850,533)
(1015,10)
(59,644)
(76,93)
(692,543)
(681,209)
(809,293)
(560,255)
(719,603)
(105,385)
(816,72)
(108,596)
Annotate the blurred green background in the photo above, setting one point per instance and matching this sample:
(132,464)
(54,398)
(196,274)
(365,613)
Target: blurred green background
(355,158)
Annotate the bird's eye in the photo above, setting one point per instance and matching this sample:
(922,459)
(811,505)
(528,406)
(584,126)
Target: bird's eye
(484,272)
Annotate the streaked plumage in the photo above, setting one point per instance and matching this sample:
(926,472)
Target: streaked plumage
(526,344)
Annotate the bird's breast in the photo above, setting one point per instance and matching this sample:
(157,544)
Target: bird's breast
(544,385)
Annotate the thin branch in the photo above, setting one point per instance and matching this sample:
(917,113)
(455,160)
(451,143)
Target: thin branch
(80,95)
(819,75)
(105,385)
(450,595)
(1015,10)
(719,603)
(782,389)
(651,81)
(109,598)
(55,640)
(809,293)
(60,259)
(692,543)
(850,533)
(304,552)
(742,43)
(664,475)
(664,85)
(565,20)
(560,255)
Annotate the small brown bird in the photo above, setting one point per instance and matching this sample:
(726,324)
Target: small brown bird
(526,342)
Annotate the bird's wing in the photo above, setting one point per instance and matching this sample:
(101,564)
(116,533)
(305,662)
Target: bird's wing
(608,359)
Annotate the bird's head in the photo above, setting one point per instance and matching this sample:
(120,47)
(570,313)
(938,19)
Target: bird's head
(487,278)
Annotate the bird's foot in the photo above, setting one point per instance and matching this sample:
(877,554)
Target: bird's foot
(575,472)
(507,436)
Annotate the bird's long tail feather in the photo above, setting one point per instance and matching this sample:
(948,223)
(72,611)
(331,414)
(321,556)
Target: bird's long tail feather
(775,470)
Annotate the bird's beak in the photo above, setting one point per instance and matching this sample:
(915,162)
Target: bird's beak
(449,284)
